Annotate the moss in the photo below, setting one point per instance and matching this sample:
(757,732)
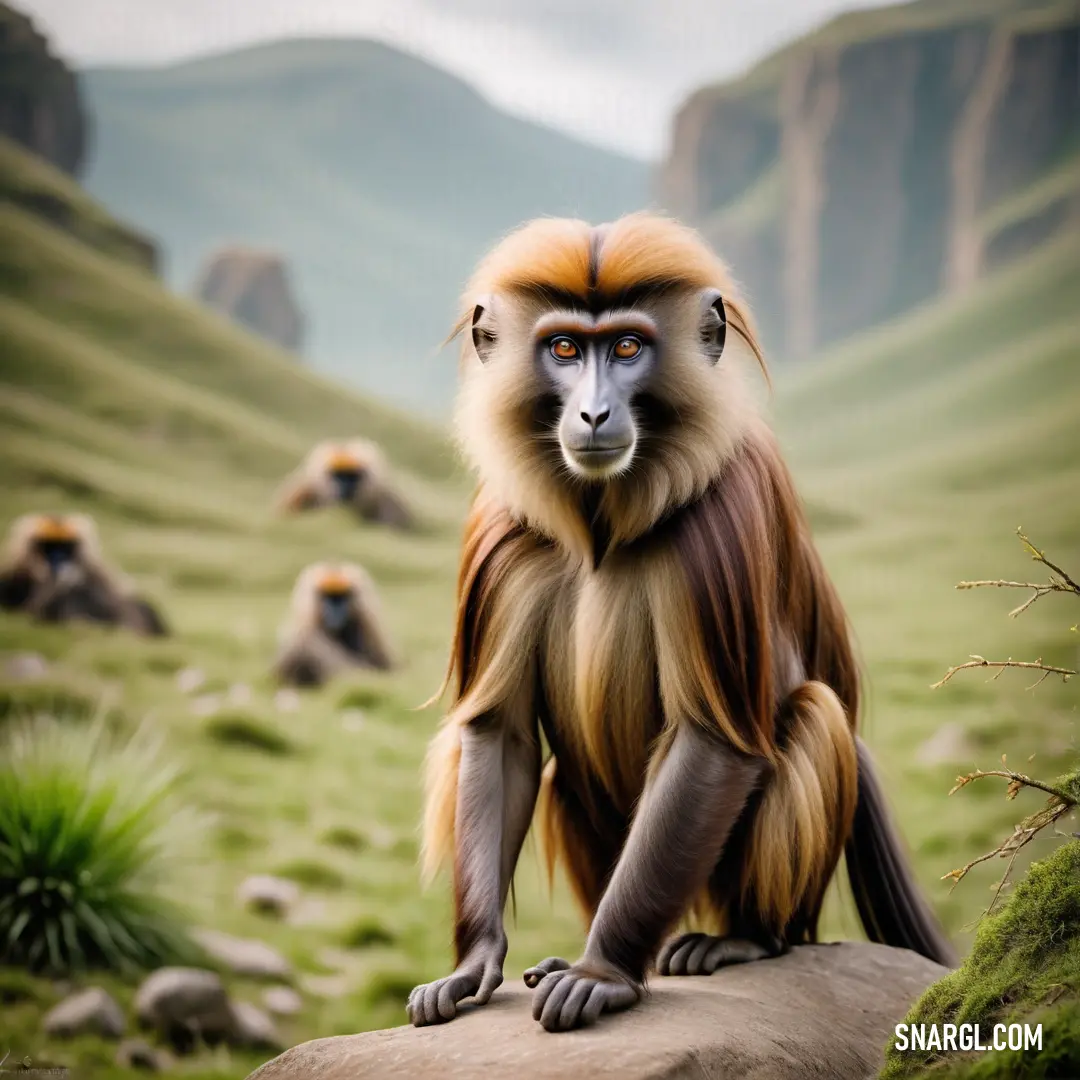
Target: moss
(1025,958)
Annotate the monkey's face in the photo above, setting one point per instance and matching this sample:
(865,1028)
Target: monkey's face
(335,608)
(56,544)
(607,385)
(346,481)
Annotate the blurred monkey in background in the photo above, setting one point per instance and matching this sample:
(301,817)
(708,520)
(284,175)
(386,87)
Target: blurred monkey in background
(52,569)
(353,473)
(639,585)
(334,624)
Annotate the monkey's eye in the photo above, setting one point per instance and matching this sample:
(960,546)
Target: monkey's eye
(626,348)
(564,350)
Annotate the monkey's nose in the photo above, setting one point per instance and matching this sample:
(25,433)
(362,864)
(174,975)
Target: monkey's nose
(594,420)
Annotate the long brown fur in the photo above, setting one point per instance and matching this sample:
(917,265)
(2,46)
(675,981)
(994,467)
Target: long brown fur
(685,590)
(87,589)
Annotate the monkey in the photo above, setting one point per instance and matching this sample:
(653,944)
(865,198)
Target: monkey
(53,570)
(640,592)
(334,624)
(353,473)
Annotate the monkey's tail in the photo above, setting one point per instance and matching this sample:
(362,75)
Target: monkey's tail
(891,906)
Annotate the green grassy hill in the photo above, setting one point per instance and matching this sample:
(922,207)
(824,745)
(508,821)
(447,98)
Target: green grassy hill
(379,177)
(920,448)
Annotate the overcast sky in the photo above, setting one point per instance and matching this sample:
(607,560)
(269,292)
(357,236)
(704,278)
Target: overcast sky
(609,70)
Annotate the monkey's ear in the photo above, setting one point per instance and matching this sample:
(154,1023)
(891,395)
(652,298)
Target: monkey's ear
(713,324)
(483,329)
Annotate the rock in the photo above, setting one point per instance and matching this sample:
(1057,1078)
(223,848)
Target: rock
(190,679)
(183,1004)
(268,894)
(949,745)
(822,1011)
(252,288)
(282,1000)
(240,694)
(40,104)
(139,1054)
(242,956)
(253,1029)
(91,1011)
(206,704)
(287,700)
(26,666)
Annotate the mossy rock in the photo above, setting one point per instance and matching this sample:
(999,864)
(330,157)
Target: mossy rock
(1024,968)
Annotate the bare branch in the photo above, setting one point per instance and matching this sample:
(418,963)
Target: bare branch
(981,662)
(1016,778)
(1040,556)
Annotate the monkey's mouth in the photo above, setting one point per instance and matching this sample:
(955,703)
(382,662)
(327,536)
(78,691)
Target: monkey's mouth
(598,462)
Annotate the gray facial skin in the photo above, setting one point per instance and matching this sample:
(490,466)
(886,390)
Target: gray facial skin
(595,367)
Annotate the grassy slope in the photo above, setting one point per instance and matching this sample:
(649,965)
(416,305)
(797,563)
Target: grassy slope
(919,447)
(381,211)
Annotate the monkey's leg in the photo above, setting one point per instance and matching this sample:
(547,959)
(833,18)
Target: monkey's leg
(498,781)
(677,837)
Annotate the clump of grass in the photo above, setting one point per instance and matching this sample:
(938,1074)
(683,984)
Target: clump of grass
(364,698)
(315,875)
(367,933)
(242,730)
(89,831)
(345,838)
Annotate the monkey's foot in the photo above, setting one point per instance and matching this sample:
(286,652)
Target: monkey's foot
(702,954)
(436,1002)
(570,997)
(545,967)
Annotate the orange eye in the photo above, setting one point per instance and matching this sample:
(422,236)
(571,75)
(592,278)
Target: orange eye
(627,348)
(564,349)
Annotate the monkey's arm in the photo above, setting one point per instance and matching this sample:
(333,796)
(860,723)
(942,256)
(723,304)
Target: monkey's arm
(679,831)
(498,782)
(16,588)
(390,509)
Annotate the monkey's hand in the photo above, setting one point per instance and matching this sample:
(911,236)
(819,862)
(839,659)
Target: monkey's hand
(575,996)
(478,976)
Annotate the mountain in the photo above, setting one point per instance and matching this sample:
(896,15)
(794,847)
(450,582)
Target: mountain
(379,178)
(895,154)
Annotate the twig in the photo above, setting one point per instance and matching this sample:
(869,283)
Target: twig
(1018,780)
(1060,582)
(981,661)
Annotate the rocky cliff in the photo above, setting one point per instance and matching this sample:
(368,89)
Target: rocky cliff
(40,105)
(894,154)
(252,288)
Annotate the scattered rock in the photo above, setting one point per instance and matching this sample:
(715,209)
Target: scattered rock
(379,836)
(287,700)
(822,1010)
(326,986)
(353,720)
(26,666)
(282,1000)
(253,1028)
(311,911)
(90,1011)
(139,1054)
(242,956)
(190,679)
(268,894)
(240,694)
(949,745)
(183,1004)
(206,704)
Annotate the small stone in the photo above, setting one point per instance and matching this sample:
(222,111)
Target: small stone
(206,704)
(253,1028)
(139,1054)
(242,956)
(949,745)
(90,1011)
(26,666)
(353,720)
(268,894)
(184,1004)
(287,700)
(240,694)
(379,836)
(282,1000)
(190,679)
